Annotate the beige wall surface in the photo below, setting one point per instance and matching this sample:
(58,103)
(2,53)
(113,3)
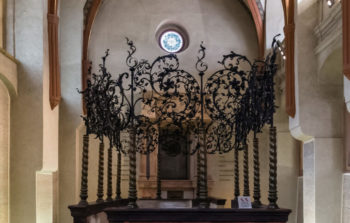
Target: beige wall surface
(319,103)
(26,111)
(4,153)
(274,21)
(71,29)
(319,96)
(223,25)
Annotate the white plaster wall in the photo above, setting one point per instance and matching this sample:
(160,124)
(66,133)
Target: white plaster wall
(319,115)
(309,182)
(322,180)
(223,25)
(328,178)
(8,73)
(346,198)
(347,92)
(300,205)
(325,10)
(288,160)
(71,29)
(9,23)
(274,21)
(320,104)
(46,178)
(26,110)
(4,153)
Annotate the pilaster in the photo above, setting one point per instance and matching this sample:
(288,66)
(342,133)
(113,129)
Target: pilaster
(319,119)
(8,91)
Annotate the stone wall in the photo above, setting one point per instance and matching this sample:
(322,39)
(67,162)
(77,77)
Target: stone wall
(71,29)
(319,118)
(26,111)
(4,153)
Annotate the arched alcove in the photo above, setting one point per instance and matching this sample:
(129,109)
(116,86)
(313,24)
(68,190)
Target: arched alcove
(222,25)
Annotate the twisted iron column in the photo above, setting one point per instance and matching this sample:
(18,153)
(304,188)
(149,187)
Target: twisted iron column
(256,196)
(109,175)
(148,166)
(100,173)
(84,171)
(159,182)
(119,171)
(198,173)
(234,202)
(203,185)
(246,171)
(273,170)
(132,171)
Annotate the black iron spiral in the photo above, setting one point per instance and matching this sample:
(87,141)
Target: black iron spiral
(203,187)
(246,191)
(100,173)
(132,171)
(256,195)
(159,182)
(237,193)
(84,171)
(237,99)
(198,173)
(273,170)
(109,175)
(119,172)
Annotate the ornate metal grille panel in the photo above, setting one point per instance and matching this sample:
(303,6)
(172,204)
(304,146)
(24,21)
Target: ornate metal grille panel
(238,99)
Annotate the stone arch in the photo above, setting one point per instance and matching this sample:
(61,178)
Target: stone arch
(8,91)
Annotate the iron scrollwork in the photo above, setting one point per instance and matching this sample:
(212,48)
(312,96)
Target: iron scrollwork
(160,96)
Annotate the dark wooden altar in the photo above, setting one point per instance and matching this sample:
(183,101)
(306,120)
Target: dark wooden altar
(119,215)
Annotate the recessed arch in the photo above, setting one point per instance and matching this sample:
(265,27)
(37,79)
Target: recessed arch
(91,13)
(92,7)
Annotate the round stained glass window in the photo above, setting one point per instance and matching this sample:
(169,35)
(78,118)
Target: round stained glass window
(171,41)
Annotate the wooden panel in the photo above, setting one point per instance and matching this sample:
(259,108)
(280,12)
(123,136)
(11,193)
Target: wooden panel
(289,31)
(54,64)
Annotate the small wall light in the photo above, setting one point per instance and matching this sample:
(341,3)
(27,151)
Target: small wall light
(281,49)
(330,3)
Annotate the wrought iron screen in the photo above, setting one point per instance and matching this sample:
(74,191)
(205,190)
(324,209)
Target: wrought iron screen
(219,113)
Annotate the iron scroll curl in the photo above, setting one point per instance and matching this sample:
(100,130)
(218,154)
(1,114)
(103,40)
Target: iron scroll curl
(236,99)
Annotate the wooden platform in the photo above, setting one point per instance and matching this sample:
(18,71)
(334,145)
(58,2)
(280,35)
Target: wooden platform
(121,214)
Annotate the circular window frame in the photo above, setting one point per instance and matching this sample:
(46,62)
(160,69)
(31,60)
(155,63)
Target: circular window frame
(171,31)
(172,27)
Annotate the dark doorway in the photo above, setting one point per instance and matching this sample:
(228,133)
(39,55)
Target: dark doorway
(174,159)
